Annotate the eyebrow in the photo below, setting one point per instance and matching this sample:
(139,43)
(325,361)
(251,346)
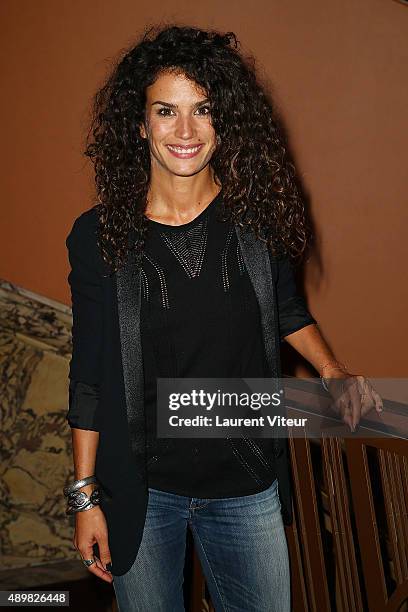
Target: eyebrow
(169,105)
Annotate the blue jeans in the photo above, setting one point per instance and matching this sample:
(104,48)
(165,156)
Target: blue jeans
(241,544)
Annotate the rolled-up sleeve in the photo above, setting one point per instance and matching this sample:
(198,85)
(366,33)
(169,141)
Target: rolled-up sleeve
(83,405)
(292,309)
(87,321)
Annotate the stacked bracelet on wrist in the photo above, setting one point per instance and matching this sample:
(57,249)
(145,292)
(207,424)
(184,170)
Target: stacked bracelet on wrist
(78,501)
(335,365)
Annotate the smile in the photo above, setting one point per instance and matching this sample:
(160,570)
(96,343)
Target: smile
(184,152)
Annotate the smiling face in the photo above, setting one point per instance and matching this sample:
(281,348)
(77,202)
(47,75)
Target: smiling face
(178,125)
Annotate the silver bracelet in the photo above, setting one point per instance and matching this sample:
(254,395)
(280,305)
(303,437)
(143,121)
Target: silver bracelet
(78,484)
(324,384)
(80,501)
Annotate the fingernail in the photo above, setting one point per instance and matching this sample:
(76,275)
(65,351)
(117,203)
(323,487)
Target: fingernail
(109,567)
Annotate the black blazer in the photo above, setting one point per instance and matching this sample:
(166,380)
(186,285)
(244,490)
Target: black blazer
(106,371)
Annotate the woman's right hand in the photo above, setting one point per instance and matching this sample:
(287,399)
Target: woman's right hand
(90,529)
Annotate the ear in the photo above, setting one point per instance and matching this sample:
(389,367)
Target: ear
(142,130)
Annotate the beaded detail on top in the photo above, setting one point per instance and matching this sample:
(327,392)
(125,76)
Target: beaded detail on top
(162,280)
(188,246)
(224,265)
(241,265)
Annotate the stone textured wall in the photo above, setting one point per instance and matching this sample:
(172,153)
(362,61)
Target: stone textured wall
(35,439)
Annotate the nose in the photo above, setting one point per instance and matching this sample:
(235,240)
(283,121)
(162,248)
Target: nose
(184,127)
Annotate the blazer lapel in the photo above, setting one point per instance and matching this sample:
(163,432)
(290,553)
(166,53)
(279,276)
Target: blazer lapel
(129,305)
(257,262)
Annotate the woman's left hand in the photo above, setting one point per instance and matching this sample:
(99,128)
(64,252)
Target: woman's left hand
(354,397)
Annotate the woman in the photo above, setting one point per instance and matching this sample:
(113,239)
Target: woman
(183,270)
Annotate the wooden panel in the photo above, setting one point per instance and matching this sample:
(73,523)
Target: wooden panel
(357,516)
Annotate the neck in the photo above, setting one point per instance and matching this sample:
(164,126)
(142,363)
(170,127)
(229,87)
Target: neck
(178,199)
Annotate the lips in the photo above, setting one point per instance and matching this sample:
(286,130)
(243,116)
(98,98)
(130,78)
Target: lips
(184,151)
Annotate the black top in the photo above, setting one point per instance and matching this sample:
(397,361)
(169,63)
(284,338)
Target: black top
(200,318)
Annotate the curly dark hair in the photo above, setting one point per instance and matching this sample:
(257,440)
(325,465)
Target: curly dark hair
(251,161)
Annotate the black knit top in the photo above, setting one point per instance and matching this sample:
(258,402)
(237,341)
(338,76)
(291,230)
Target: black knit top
(200,318)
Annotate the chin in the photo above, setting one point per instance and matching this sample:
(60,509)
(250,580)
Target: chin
(185,170)
(180,172)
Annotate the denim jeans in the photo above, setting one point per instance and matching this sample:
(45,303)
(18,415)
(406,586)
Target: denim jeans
(241,544)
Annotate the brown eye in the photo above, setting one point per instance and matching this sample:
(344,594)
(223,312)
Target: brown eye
(203,110)
(164,112)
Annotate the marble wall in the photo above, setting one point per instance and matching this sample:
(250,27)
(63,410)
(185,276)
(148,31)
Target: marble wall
(35,439)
